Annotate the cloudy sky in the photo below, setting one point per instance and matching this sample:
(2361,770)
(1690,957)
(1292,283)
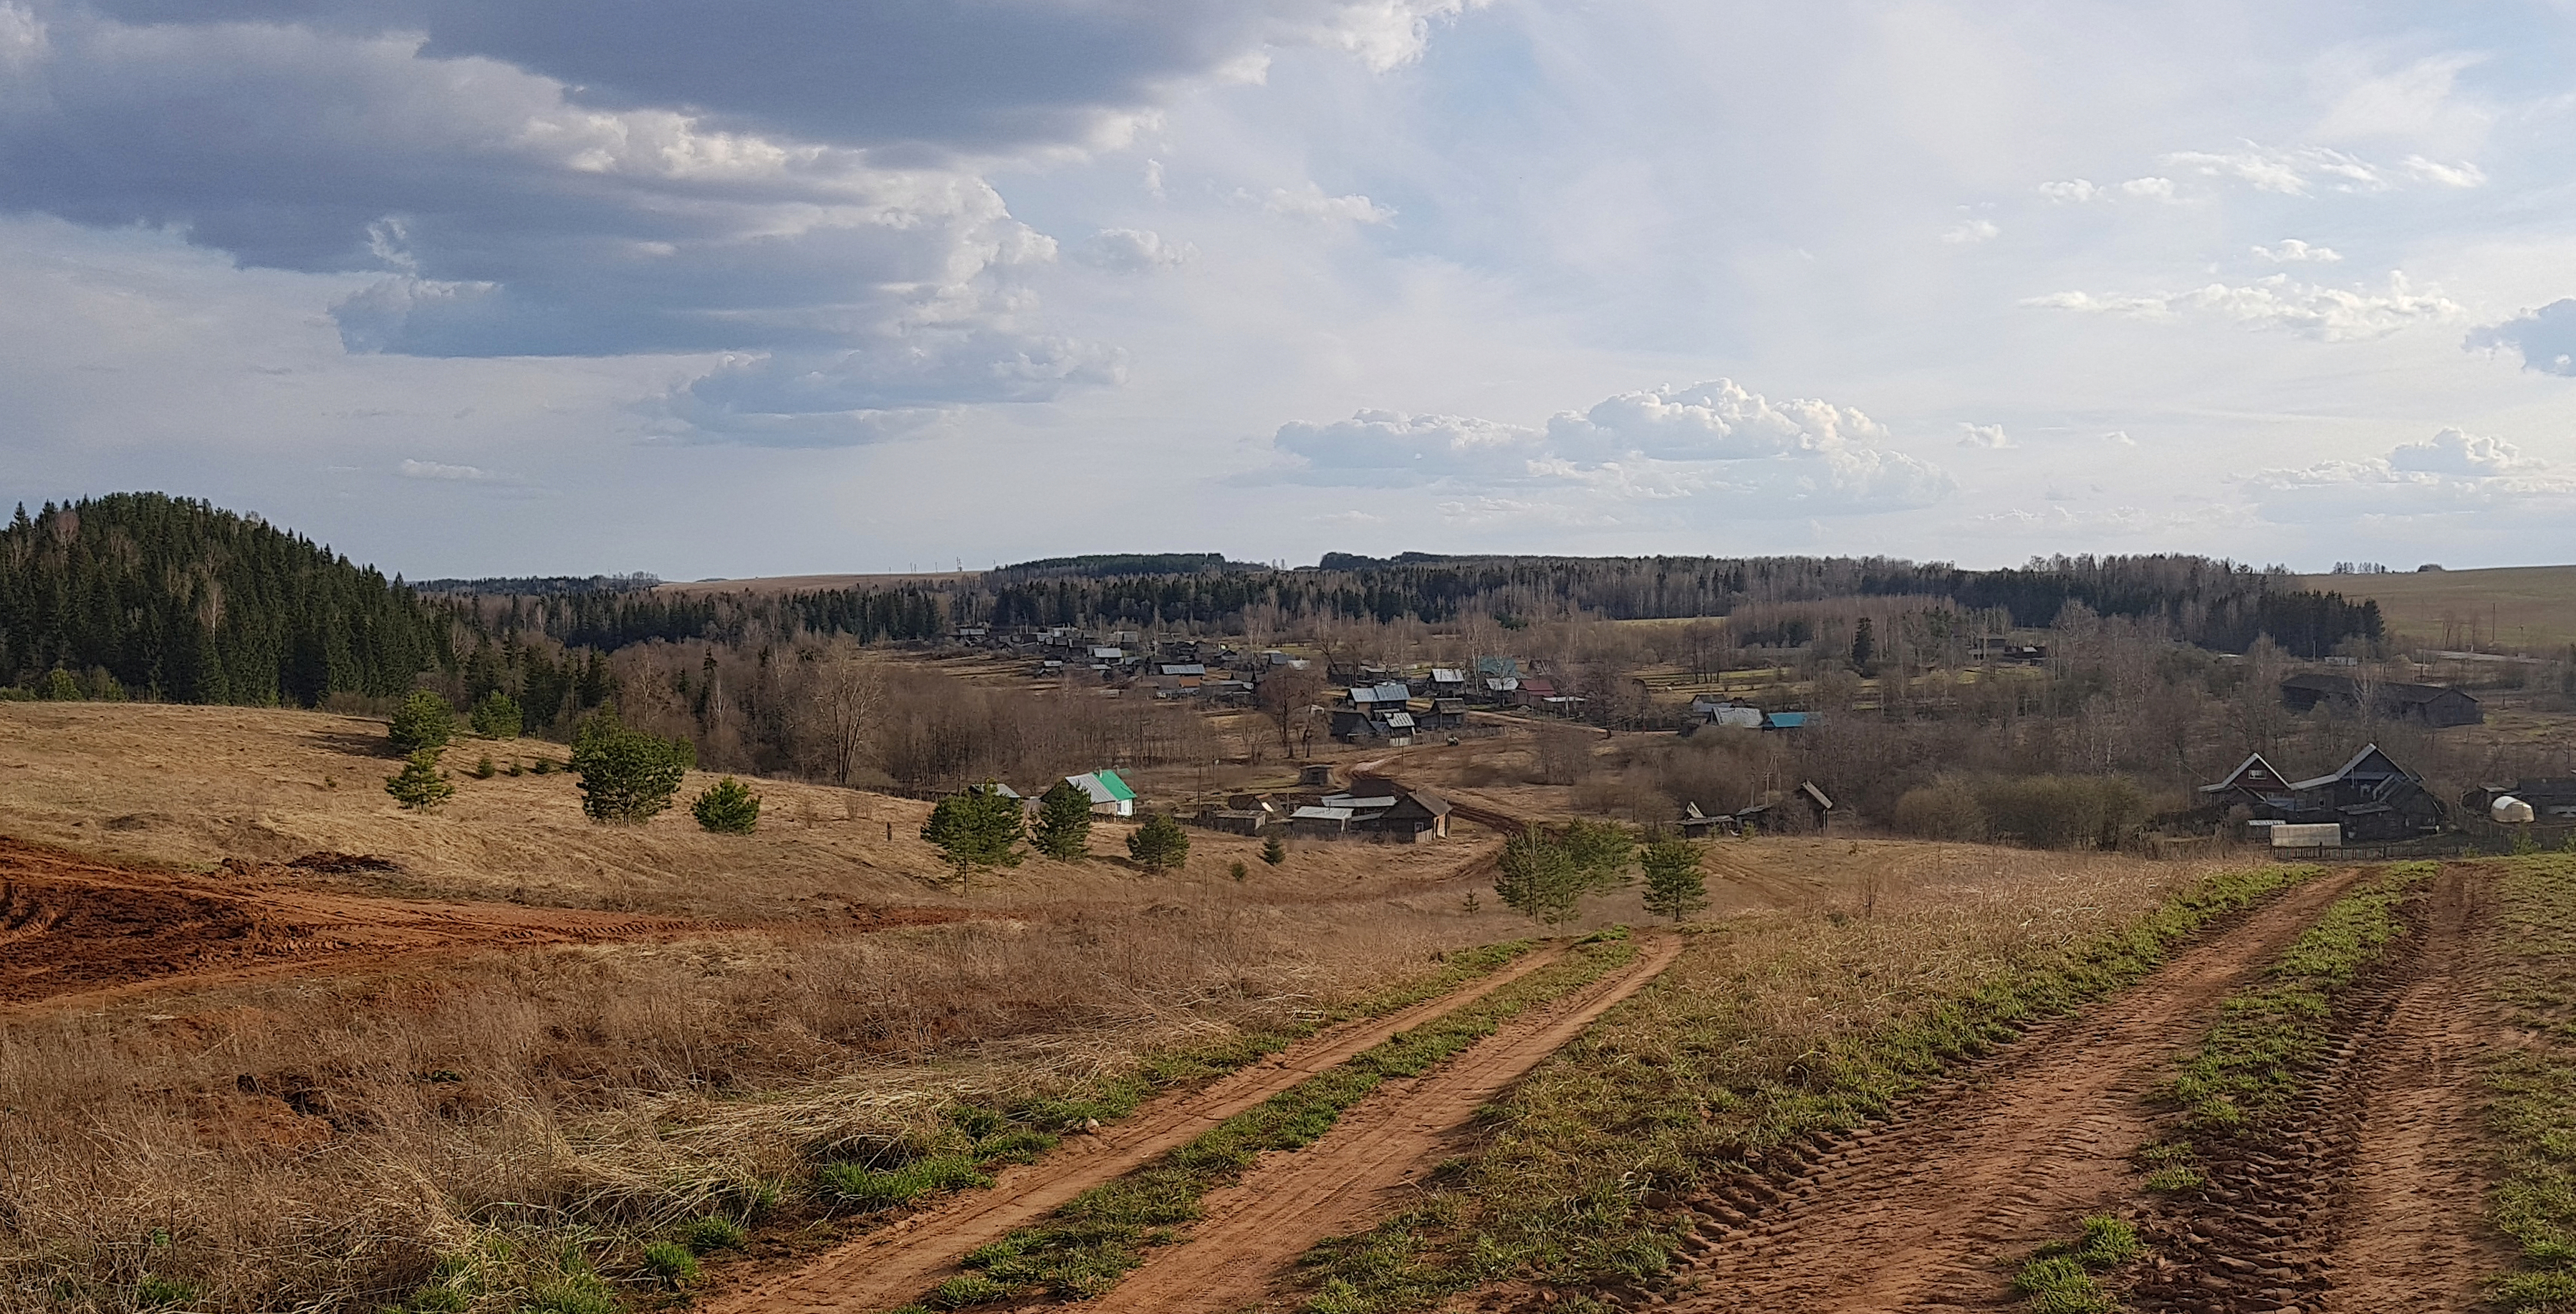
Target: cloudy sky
(784,286)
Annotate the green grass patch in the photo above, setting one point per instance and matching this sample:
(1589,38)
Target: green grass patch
(2247,1070)
(1698,1077)
(1095,1239)
(2533,1111)
(2061,1279)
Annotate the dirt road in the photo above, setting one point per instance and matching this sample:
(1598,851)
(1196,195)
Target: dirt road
(1920,1214)
(74,928)
(1364,1167)
(896,1264)
(2373,1197)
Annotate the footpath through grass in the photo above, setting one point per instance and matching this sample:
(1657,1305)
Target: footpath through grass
(1756,1040)
(2533,1115)
(1095,1239)
(958,1147)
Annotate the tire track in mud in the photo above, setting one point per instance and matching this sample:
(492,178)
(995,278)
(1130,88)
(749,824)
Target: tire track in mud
(1920,1212)
(1362,1170)
(894,1264)
(2372,1196)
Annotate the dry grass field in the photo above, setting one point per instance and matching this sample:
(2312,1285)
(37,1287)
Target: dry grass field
(2527,608)
(267,1042)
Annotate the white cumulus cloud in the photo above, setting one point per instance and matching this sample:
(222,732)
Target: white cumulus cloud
(1310,203)
(1133,251)
(2291,251)
(1971,231)
(1990,437)
(1709,448)
(2327,314)
(2452,473)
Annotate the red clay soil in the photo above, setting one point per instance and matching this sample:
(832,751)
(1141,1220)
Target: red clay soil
(2373,1196)
(893,1265)
(77,927)
(1927,1212)
(1365,1168)
(2410,1234)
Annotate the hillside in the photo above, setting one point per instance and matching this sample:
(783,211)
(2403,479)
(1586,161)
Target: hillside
(147,595)
(2532,608)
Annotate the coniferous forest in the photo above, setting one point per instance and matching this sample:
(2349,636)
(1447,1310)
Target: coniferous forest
(176,600)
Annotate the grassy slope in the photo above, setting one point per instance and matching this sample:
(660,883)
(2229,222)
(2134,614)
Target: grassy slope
(2534,1113)
(1689,1081)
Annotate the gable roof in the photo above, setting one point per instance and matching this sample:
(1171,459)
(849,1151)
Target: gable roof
(1103,786)
(2369,763)
(2252,773)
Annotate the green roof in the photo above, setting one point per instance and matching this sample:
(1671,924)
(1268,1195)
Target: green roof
(1118,790)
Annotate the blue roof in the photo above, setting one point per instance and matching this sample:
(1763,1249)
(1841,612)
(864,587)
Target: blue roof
(1786,720)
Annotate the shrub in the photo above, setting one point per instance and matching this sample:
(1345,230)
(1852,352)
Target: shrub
(498,717)
(728,807)
(1276,853)
(627,775)
(423,721)
(2063,812)
(418,785)
(1064,822)
(1946,810)
(671,1262)
(483,768)
(1239,871)
(1160,845)
(58,686)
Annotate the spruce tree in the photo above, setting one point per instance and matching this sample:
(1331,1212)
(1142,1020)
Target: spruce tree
(979,829)
(727,807)
(1674,886)
(423,721)
(1064,822)
(498,716)
(1274,852)
(418,786)
(627,775)
(1160,845)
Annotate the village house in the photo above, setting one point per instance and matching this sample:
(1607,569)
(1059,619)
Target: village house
(2431,704)
(1110,795)
(2371,797)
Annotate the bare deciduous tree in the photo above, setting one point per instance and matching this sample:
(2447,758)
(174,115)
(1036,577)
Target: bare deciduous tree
(848,690)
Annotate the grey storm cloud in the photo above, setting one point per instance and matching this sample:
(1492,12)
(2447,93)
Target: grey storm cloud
(2546,337)
(794,183)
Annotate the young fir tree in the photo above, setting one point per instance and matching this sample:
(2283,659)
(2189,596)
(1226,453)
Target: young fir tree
(498,717)
(978,829)
(1674,886)
(423,721)
(418,786)
(1064,822)
(727,807)
(1275,853)
(1602,852)
(1538,878)
(1160,845)
(627,775)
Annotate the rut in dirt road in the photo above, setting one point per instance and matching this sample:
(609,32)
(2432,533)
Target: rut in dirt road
(1363,1168)
(2373,1197)
(895,1264)
(1920,1213)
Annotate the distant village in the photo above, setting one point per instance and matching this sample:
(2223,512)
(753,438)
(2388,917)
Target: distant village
(2371,799)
